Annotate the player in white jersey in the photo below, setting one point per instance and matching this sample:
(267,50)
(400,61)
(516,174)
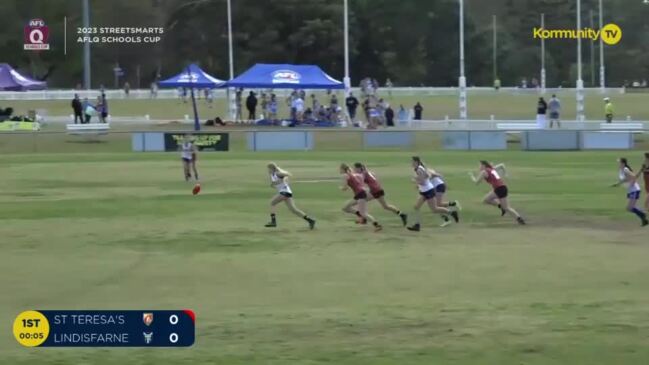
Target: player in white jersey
(627,177)
(427,195)
(279,181)
(188,155)
(440,191)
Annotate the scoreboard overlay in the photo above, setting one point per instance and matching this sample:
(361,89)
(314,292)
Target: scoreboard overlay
(105,328)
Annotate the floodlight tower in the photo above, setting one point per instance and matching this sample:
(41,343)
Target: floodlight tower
(462,78)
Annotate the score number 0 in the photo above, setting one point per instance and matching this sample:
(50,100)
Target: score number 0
(173,337)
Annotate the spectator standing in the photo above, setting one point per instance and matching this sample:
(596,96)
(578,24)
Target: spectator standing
(555,110)
(238,96)
(127,88)
(352,103)
(315,104)
(334,102)
(77,109)
(298,106)
(272,107)
(418,111)
(103,111)
(389,116)
(402,115)
(88,110)
(608,110)
(251,105)
(209,96)
(380,109)
(264,106)
(388,84)
(497,84)
(154,90)
(99,107)
(541,110)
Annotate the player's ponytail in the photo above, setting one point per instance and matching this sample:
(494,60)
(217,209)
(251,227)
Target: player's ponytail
(418,160)
(486,164)
(278,171)
(625,162)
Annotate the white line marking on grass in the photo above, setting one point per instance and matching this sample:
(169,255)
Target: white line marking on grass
(317,180)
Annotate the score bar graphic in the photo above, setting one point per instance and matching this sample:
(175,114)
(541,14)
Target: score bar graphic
(103,328)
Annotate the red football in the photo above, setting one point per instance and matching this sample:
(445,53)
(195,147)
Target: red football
(196,189)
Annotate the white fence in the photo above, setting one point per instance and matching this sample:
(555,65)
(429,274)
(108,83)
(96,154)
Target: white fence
(221,93)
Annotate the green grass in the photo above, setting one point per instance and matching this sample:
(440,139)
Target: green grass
(503,105)
(122,231)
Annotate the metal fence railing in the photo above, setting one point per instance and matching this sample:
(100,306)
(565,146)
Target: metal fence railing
(67,94)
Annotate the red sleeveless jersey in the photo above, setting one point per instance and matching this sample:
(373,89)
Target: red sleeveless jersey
(371,182)
(355,182)
(493,178)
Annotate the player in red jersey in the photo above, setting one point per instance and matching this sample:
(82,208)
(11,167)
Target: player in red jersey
(355,183)
(645,172)
(377,192)
(497,197)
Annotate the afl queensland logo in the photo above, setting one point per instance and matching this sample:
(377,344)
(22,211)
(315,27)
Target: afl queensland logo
(36,34)
(286,77)
(191,77)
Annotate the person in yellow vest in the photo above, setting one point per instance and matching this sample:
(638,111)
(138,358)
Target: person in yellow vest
(608,110)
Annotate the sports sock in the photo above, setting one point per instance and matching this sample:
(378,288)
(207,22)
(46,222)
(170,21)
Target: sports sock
(306,218)
(272,217)
(398,212)
(642,215)
(358,213)
(452,204)
(445,218)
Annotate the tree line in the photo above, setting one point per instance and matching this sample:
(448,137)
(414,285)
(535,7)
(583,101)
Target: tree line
(412,42)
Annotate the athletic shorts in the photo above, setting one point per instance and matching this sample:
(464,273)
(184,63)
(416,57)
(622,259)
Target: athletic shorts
(188,160)
(501,191)
(635,195)
(554,115)
(361,195)
(429,194)
(286,194)
(377,194)
(441,188)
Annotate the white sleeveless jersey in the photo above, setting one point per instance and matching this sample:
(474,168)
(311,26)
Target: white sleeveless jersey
(282,187)
(631,186)
(427,184)
(436,181)
(187,150)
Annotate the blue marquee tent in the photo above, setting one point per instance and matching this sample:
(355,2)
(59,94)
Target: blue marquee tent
(193,77)
(285,76)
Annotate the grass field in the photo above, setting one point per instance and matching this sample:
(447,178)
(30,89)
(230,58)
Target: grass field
(122,231)
(503,105)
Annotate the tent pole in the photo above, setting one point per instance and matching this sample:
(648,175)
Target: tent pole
(197,123)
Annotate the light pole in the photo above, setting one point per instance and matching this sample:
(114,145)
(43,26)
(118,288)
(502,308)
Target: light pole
(602,84)
(542,56)
(86,46)
(495,48)
(580,82)
(230,95)
(346,79)
(462,79)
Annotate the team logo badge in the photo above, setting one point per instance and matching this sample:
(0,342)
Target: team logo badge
(286,77)
(147,318)
(148,337)
(36,35)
